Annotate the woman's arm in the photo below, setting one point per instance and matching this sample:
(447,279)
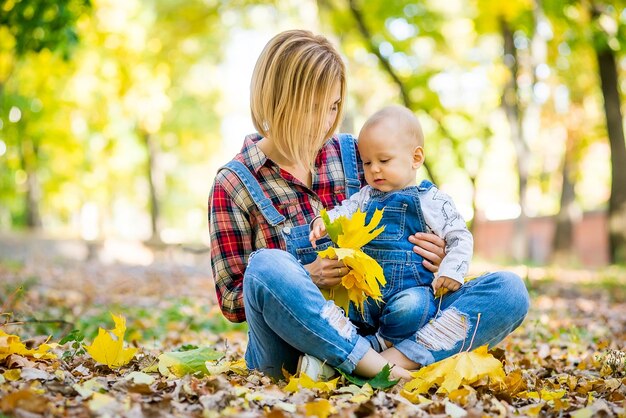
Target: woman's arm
(231,245)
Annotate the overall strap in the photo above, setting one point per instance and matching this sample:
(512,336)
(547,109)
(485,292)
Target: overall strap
(269,212)
(347,145)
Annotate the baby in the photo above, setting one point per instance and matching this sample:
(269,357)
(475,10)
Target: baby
(391,148)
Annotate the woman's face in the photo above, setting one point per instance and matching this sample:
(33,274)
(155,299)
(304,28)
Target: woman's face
(332,108)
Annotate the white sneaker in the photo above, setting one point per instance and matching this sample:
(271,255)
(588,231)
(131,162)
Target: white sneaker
(315,368)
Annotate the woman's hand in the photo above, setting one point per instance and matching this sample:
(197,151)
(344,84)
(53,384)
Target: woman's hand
(326,272)
(431,247)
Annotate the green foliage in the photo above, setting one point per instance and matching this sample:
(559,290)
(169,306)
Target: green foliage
(76,337)
(43,24)
(380,381)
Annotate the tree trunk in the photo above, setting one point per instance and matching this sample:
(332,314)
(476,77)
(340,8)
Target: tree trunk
(562,244)
(511,106)
(384,62)
(152,184)
(612,109)
(28,153)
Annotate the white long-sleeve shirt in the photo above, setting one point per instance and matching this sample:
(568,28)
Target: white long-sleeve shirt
(442,219)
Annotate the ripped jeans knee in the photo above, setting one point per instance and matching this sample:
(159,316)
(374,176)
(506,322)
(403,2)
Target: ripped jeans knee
(336,319)
(445,331)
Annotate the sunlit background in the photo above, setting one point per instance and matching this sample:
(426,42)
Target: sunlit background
(113,126)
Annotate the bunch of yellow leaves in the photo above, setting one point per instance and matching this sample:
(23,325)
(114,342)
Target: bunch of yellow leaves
(365,276)
(11,344)
(465,368)
(108,346)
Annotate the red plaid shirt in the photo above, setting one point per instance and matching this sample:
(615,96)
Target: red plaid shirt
(238,228)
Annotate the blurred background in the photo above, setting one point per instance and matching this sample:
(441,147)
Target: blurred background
(116,114)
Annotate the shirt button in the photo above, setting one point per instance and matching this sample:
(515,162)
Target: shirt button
(287,230)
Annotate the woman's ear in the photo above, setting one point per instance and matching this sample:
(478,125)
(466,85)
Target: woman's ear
(418,157)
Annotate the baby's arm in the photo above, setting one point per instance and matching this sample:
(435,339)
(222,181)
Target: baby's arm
(442,217)
(318,230)
(346,208)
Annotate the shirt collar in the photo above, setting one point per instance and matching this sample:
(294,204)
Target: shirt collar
(255,158)
(252,155)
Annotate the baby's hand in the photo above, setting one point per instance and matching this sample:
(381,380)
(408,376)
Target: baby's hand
(446,283)
(318,230)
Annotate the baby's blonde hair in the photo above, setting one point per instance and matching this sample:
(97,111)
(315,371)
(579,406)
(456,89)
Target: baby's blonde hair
(292,82)
(401,118)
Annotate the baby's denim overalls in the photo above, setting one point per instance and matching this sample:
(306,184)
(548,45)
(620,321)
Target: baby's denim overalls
(408,299)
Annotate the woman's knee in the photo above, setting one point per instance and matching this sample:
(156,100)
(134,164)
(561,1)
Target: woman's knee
(513,291)
(270,266)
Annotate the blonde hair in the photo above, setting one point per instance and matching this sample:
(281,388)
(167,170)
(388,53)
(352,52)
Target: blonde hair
(292,82)
(398,117)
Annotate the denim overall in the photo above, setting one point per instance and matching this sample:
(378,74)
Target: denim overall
(402,217)
(297,237)
(408,298)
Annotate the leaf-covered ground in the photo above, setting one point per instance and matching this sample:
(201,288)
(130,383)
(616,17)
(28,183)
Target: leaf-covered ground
(568,358)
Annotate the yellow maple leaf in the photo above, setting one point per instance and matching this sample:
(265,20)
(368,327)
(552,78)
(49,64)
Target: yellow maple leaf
(355,233)
(108,347)
(544,394)
(461,369)
(238,366)
(11,344)
(304,381)
(320,408)
(365,276)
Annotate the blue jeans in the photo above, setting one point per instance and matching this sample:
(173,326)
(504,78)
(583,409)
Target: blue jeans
(397,318)
(287,316)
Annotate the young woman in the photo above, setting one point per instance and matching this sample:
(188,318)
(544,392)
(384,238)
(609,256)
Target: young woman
(260,207)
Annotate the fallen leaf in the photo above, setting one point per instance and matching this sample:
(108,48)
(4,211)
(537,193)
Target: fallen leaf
(532,410)
(88,387)
(546,395)
(181,363)
(454,411)
(451,373)
(11,344)
(380,381)
(321,408)
(461,395)
(139,378)
(238,366)
(25,399)
(415,397)
(12,374)
(108,347)
(105,405)
(582,413)
(304,381)
(30,373)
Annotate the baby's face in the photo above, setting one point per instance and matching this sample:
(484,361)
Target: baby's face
(389,160)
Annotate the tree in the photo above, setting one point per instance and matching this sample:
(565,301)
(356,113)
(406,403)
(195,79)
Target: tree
(32,28)
(609,35)
(410,45)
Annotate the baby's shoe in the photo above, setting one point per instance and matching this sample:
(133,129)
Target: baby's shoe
(315,368)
